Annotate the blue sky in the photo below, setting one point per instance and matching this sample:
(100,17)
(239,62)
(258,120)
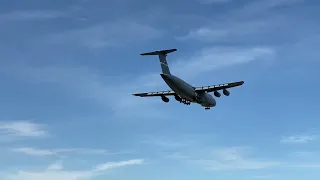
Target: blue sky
(68,69)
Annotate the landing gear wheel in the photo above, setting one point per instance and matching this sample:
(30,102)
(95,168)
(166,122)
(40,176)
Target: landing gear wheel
(207,108)
(186,102)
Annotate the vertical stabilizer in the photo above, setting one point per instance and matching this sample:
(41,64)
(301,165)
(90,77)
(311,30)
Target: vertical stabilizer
(162,54)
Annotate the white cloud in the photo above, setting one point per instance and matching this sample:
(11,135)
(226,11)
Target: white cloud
(298,139)
(22,129)
(228,159)
(56,171)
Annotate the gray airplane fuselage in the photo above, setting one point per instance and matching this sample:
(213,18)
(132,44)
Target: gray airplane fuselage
(186,91)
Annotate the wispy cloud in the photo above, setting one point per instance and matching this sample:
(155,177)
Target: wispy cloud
(210,59)
(229,31)
(167,143)
(252,24)
(107,34)
(298,139)
(261,6)
(57,171)
(56,166)
(34,152)
(92,84)
(55,152)
(216,158)
(109,165)
(22,129)
(263,177)
(213,1)
(304,154)
(229,159)
(30,15)
(310,165)
(176,155)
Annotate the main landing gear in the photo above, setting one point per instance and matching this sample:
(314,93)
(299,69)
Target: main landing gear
(207,108)
(186,102)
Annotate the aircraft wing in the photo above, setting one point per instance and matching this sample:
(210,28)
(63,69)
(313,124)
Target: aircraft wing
(219,86)
(158,93)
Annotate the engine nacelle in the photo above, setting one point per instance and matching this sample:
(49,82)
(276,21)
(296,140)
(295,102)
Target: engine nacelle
(165,99)
(226,92)
(217,94)
(177,98)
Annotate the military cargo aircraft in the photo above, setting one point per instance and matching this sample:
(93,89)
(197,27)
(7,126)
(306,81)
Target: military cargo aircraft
(183,91)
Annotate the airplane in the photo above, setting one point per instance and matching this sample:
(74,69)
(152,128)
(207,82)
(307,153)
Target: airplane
(181,90)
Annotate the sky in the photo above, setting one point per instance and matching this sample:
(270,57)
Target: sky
(68,69)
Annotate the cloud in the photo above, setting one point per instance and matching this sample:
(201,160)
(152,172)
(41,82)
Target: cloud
(213,58)
(254,23)
(229,31)
(107,34)
(304,154)
(233,158)
(261,6)
(34,152)
(30,15)
(176,155)
(57,171)
(22,129)
(93,84)
(214,158)
(167,143)
(56,166)
(109,165)
(55,152)
(263,177)
(309,165)
(298,139)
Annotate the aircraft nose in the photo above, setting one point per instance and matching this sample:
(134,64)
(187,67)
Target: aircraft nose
(213,102)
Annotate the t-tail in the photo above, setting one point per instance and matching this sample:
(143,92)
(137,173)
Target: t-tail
(162,54)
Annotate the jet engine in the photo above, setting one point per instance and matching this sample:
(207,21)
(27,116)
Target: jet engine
(177,98)
(217,94)
(165,99)
(226,92)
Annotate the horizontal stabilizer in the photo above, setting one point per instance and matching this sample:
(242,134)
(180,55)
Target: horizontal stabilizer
(161,52)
